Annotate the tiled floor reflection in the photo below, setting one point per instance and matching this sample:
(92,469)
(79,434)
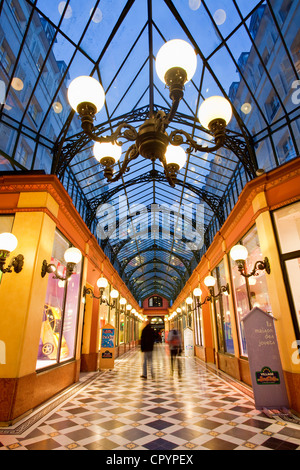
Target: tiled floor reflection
(118,410)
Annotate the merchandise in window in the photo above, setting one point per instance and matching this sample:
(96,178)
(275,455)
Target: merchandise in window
(198,325)
(287,221)
(60,313)
(252,292)
(222,311)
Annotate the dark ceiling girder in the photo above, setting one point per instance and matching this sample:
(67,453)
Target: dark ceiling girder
(154,248)
(129,275)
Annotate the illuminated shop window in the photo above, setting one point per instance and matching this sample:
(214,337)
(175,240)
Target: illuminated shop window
(252,292)
(222,312)
(287,223)
(59,322)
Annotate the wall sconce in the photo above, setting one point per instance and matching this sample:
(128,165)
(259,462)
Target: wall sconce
(72,257)
(239,254)
(8,243)
(102,283)
(210,282)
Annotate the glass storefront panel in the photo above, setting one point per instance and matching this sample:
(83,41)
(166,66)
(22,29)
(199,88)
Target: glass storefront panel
(222,310)
(59,324)
(198,325)
(287,222)
(249,292)
(293,270)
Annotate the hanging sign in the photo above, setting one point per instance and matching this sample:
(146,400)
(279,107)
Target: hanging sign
(107,350)
(264,361)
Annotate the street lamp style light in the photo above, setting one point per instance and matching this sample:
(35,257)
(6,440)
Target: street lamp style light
(176,64)
(8,243)
(210,282)
(239,254)
(102,284)
(72,257)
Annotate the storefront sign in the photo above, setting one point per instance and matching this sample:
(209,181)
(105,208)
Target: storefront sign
(107,352)
(188,342)
(264,360)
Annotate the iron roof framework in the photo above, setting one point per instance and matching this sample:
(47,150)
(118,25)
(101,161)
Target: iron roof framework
(117,42)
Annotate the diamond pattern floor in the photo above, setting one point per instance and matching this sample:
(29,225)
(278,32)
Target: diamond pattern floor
(118,410)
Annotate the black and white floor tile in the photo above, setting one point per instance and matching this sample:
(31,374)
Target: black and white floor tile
(117,410)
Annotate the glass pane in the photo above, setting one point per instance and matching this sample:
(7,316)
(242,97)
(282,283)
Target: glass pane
(59,325)
(70,316)
(223,313)
(293,270)
(6,223)
(241,304)
(53,309)
(288,227)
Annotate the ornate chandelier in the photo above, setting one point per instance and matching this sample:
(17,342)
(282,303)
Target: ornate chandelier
(176,64)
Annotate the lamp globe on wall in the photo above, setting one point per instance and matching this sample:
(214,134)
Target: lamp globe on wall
(8,243)
(239,254)
(72,257)
(197,292)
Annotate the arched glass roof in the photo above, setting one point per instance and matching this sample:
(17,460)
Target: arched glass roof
(247,50)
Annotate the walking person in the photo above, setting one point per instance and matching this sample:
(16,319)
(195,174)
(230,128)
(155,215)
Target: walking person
(147,345)
(175,347)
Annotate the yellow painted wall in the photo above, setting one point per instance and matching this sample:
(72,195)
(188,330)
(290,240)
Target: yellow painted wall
(23,295)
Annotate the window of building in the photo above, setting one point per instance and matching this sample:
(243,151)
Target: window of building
(252,292)
(198,323)
(222,312)
(287,223)
(155,302)
(60,314)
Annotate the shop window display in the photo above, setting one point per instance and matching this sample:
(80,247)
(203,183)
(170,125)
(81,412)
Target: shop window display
(222,311)
(59,322)
(249,292)
(287,222)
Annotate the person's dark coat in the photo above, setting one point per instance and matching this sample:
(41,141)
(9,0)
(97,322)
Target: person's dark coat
(147,339)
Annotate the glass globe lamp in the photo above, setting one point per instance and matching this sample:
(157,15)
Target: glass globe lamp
(175,156)
(73,256)
(239,253)
(189,301)
(197,292)
(176,55)
(215,109)
(86,90)
(8,242)
(114,294)
(129,307)
(102,283)
(107,150)
(123,301)
(210,281)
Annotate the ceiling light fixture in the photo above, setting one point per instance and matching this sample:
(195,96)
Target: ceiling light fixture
(176,64)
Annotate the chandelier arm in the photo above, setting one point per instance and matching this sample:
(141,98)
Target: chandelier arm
(130,132)
(131,154)
(172,112)
(176,138)
(169,174)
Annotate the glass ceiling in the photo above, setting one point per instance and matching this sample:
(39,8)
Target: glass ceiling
(248,51)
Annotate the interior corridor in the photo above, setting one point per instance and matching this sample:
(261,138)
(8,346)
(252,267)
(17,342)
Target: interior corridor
(117,410)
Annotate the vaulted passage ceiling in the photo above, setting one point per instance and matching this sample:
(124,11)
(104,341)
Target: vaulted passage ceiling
(49,43)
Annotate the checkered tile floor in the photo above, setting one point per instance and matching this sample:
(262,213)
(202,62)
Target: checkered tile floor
(118,410)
